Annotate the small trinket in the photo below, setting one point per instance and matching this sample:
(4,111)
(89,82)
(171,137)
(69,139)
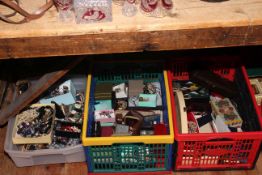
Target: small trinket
(32,147)
(68,127)
(34,125)
(80,98)
(148,5)
(103,105)
(192,127)
(133,101)
(120,114)
(96,129)
(135,87)
(65,9)
(149,121)
(90,11)
(65,93)
(149,89)
(22,86)
(121,128)
(224,108)
(154,88)
(167,4)
(152,8)
(147,100)
(134,120)
(120,90)
(119,118)
(160,129)
(121,104)
(107,131)
(257,89)
(146,132)
(156,8)
(105,116)
(59,112)
(93,14)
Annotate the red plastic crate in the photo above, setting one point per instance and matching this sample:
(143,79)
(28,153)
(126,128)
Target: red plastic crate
(216,150)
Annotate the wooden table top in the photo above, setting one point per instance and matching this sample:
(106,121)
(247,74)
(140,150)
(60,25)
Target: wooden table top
(194,24)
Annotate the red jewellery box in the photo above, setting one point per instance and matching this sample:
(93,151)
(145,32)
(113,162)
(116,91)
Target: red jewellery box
(227,150)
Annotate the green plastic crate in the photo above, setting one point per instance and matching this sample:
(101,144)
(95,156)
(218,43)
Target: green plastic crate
(129,157)
(135,155)
(254,72)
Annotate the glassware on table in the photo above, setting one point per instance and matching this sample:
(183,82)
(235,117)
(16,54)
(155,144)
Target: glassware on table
(65,9)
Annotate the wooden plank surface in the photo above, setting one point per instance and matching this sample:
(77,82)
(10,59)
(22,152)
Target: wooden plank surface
(196,24)
(190,14)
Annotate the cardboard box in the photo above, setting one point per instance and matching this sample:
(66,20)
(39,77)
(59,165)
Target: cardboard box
(18,139)
(67,98)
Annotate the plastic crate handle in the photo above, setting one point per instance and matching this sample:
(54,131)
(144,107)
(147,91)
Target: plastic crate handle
(219,146)
(133,143)
(217,151)
(219,139)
